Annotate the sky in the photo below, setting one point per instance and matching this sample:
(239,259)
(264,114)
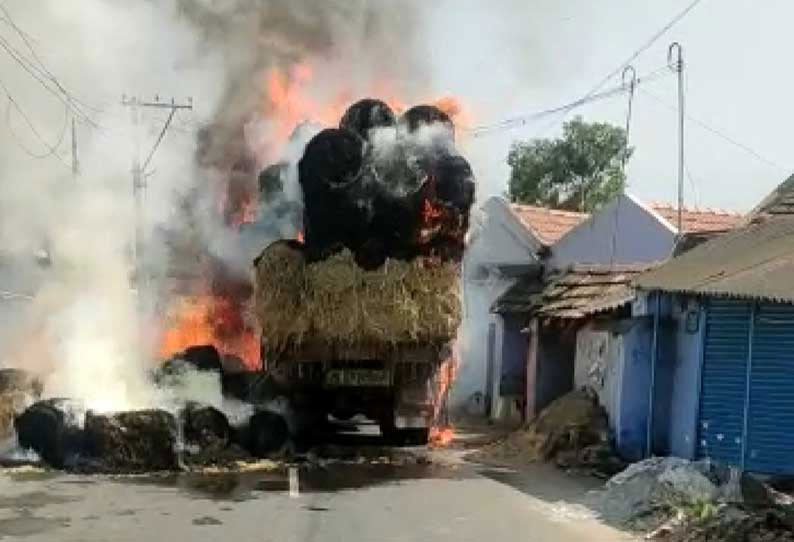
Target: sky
(505,58)
(735,82)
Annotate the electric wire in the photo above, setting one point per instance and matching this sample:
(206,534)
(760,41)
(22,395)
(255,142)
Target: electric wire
(749,150)
(523,120)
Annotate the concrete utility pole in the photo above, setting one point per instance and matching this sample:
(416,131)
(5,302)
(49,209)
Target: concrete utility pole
(675,60)
(75,160)
(139,171)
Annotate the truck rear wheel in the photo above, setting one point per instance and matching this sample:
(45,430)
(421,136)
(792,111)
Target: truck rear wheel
(403,437)
(416,437)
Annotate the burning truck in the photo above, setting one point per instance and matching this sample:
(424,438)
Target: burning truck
(358,315)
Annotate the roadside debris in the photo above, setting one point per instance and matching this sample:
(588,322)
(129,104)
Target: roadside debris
(677,500)
(571,432)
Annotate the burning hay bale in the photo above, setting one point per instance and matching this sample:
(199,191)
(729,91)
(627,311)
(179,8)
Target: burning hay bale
(338,302)
(401,193)
(366,114)
(51,428)
(140,440)
(203,357)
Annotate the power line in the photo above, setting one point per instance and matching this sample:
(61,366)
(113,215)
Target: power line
(53,149)
(653,39)
(522,120)
(718,133)
(594,94)
(39,71)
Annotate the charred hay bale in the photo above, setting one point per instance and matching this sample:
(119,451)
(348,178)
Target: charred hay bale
(198,358)
(332,159)
(231,363)
(454,183)
(204,357)
(265,434)
(133,441)
(426,115)
(250,387)
(366,114)
(51,428)
(205,426)
(331,174)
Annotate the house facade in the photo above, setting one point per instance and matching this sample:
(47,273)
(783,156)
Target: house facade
(580,323)
(726,391)
(507,243)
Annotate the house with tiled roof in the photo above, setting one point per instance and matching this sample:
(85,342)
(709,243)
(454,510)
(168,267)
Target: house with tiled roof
(577,316)
(517,251)
(507,242)
(627,230)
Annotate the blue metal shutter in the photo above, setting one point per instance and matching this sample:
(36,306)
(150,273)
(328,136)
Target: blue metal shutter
(770,425)
(724,381)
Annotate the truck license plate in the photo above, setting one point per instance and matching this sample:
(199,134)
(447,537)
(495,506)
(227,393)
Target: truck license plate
(357,377)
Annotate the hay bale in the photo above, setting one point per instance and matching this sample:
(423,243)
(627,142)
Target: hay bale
(338,303)
(51,428)
(11,405)
(265,434)
(133,441)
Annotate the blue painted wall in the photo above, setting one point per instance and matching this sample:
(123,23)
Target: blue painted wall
(685,379)
(635,372)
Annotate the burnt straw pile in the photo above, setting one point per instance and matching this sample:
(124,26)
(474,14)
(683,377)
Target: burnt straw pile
(186,435)
(386,187)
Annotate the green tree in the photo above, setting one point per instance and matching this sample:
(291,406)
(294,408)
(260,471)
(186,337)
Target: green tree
(579,171)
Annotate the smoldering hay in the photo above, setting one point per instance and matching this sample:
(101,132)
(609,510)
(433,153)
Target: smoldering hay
(386,208)
(385,187)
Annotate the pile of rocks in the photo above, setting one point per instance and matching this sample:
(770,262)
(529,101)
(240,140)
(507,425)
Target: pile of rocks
(678,500)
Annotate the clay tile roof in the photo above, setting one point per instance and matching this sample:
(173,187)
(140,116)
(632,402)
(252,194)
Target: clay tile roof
(575,292)
(548,225)
(699,220)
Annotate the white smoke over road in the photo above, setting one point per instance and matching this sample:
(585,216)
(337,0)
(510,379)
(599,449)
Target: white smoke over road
(82,327)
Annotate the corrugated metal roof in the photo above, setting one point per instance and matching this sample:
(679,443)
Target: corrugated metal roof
(576,292)
(755,261)
(779,202)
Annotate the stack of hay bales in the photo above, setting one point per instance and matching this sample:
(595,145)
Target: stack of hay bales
(336,302)
(18,389)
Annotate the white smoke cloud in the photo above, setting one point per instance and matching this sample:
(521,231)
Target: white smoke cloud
(82,328)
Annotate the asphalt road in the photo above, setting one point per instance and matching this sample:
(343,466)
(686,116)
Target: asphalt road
(344,502)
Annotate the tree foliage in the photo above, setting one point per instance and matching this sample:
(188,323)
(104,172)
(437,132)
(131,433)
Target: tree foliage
(579,171)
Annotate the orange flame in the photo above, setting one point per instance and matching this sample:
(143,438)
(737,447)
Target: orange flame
(300,237)
(210,320)
(442,433)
